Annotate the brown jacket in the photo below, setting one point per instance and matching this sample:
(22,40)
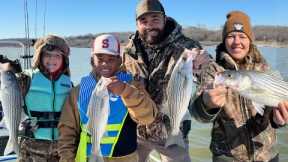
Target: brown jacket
(153,65)
(238,131)
(140,107)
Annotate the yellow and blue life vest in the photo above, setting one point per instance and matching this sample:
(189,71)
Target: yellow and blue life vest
(44,101)
(120,136)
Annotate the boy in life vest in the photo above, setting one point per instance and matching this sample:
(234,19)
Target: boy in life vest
(44,88)
(129,105)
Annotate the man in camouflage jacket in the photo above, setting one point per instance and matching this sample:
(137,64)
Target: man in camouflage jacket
(150,56)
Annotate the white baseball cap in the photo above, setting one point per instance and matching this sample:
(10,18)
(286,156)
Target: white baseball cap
(106,44)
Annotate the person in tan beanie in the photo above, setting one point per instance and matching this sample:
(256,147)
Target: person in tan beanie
(239,133)
(44,88)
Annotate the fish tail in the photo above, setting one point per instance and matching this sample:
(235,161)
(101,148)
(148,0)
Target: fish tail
(11,147)
(96,158)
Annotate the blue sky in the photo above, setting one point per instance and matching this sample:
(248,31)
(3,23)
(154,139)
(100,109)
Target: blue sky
(80,17)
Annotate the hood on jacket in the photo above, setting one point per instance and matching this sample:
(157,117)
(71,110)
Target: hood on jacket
(51,41)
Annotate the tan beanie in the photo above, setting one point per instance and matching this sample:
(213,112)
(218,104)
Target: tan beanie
(52,41)
(237,21)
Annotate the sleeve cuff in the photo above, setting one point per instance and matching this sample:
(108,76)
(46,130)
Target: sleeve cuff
(200,112)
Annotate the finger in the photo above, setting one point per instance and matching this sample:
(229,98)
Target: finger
(200,59)
(278,117)
(222,102)
(285,104)
(195,50)
(283,108)
(113,78)
(219,101)
(201,52)
(219,90)
(115,83)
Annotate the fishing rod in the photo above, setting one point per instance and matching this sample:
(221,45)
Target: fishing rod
(27,54)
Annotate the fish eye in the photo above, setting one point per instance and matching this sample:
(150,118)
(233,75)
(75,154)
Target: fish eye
(229,75)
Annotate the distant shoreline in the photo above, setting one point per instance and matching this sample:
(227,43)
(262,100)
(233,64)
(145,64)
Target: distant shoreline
(258,43)
(203,43)
(265,36)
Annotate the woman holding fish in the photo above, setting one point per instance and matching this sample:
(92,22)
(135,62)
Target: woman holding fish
(243,130)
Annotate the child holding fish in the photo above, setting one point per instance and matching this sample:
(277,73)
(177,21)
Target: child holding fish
(100,116)
(44,88)
(241,131)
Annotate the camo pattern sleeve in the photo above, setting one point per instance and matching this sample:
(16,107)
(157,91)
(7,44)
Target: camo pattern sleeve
(24,81)
(197,108)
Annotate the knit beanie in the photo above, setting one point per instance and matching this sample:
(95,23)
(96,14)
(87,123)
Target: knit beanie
(238,21)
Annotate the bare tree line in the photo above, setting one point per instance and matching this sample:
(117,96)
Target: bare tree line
(264,34)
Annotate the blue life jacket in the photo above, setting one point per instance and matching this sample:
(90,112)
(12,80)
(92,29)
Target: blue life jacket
(44,101)
(117,119)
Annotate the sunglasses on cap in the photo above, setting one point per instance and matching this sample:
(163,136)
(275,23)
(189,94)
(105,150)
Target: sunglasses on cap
(50,47)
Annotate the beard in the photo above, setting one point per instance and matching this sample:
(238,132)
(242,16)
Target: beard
(152,36)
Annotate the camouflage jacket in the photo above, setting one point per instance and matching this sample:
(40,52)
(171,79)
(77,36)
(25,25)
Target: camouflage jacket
(153,65)
(238,131)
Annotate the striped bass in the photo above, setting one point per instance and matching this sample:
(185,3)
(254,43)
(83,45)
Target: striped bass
(263,88)
(98,112)
(180,90)
(11,100)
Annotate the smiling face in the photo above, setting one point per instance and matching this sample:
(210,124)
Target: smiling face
(151,27)
(106,65)
(237,45)
(52,60)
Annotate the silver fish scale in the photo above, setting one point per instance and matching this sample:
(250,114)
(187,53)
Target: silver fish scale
(12,107)
(271,84)
(178,102)
(98,112)
(179,92)
(267,89)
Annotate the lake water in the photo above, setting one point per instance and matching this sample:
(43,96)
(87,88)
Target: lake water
(200,133)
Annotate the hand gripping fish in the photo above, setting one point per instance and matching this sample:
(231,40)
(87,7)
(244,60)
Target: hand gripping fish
(180,90)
